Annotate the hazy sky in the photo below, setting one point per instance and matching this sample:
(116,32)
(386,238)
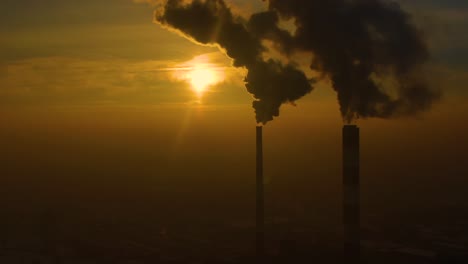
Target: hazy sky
(95,52)
(82,77)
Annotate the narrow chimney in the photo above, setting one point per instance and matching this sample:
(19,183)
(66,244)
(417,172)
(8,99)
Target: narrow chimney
(260,225)
(351,210)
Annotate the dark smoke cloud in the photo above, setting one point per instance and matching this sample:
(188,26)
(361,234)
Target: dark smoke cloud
(358,44)
(212,22)
(354,41)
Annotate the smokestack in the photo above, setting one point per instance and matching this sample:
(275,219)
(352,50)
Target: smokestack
(260,213)
(351,210)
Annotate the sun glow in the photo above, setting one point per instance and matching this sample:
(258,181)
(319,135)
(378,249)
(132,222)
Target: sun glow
(200,74)
(201,78)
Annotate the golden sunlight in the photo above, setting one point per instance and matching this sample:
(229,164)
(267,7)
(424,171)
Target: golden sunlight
(201,78)
(200,73)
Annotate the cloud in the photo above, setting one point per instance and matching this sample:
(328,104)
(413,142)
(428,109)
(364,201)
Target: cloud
(74,80)
(445,23)
(71,80)
(212,22)
(358,45)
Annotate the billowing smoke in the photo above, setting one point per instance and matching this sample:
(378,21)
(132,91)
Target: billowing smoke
(368,49)
(212,22)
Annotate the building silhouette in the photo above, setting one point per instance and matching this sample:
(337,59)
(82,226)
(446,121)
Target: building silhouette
(260,211)
(351,210)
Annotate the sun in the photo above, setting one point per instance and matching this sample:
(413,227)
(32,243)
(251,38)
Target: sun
(200,74)
(201,78)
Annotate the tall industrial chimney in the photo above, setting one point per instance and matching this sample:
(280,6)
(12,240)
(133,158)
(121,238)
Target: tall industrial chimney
(260,212)
(351,210)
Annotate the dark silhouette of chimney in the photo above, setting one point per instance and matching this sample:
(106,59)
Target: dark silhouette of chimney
(260,213)
(351,210)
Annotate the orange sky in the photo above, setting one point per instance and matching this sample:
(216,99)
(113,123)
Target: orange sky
(92,93)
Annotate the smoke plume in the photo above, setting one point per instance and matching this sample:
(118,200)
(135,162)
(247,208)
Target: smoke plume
(368,49)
